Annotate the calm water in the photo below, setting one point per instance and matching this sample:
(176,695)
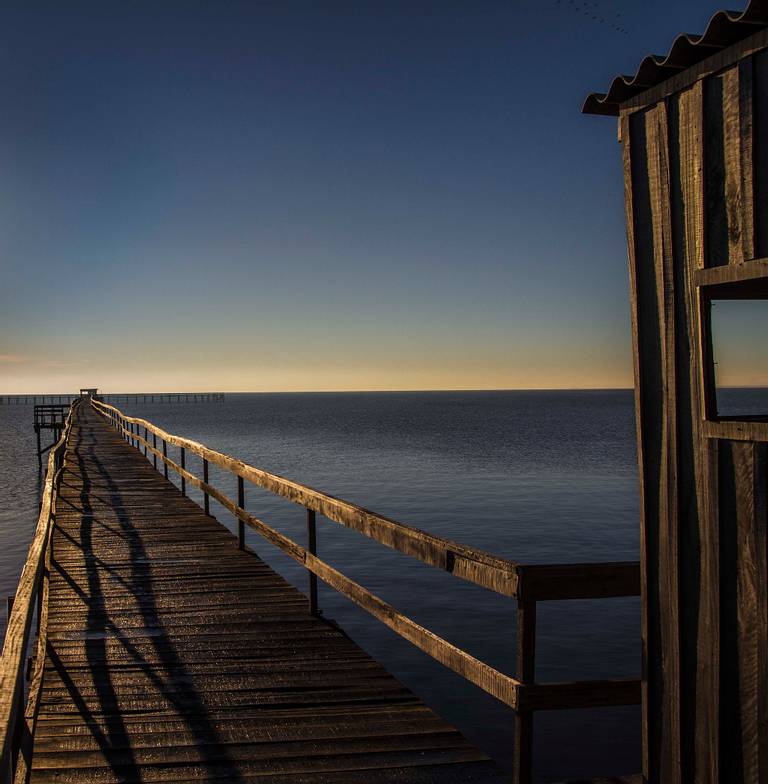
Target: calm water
(533,476)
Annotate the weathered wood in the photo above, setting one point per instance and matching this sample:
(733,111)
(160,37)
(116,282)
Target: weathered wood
(745,118)
(718,164)
(498,574)
(24,760)
(206,497)
(522,766)
(312,549)
(13,662)
(760,151)
(534,582)
(742,507)
(734,152)
(649,408)
(698,621)
(667,605)
(580,694)
(241,507)
(742,429)
(754,270)
(695,186)
(543,582)
(174,656)
(632,152)
(474,565)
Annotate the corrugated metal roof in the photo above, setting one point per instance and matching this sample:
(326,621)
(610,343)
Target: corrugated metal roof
(724,28)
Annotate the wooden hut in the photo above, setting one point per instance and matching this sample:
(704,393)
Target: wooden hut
(694,130)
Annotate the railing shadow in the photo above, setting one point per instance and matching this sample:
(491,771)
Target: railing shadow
(170,677)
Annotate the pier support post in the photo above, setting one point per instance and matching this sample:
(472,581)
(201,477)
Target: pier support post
(522,762)
(241,504)
(312,547)
(206,500)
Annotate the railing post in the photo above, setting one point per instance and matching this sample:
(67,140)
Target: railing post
(165,454)
(39,618)
(241,504)
(206,501)
(145,441)
(183,465)
(522,761)
(312,547)
(154,455)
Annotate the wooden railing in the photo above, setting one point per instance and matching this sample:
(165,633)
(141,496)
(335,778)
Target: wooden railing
(16,720)
(49,416)
(528,584)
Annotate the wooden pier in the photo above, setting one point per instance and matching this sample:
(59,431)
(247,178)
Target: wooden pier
(117,397)
(36,400)
(164,397)
(173,655)
(168,651)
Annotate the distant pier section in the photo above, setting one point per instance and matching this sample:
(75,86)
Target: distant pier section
(117,397)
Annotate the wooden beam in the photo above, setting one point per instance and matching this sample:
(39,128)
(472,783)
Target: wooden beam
(13,661)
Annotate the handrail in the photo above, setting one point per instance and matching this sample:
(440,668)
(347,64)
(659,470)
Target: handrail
(12,662)
(550,581)
(526,583)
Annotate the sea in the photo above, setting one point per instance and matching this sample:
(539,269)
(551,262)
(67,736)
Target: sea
(533,476)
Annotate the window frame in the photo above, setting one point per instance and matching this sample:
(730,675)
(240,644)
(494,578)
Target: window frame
(745,280)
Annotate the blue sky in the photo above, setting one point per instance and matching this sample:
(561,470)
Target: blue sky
(315,195)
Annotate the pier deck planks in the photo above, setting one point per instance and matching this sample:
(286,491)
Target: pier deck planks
(174,656)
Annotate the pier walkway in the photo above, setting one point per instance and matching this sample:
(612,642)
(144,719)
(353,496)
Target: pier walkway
(166,650)
(172,655)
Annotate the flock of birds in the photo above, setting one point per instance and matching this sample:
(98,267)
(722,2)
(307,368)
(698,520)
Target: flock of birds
(593,10)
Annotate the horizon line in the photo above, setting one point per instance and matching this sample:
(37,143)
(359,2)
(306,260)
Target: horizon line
(321,391)
(359,391)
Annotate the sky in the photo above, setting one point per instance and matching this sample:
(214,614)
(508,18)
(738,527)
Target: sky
(309,195)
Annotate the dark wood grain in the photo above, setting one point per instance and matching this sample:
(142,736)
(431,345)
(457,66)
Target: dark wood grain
(694,149)
(21,613)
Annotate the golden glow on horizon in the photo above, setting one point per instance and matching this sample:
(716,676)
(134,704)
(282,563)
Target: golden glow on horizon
(28,378)
(153,369)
